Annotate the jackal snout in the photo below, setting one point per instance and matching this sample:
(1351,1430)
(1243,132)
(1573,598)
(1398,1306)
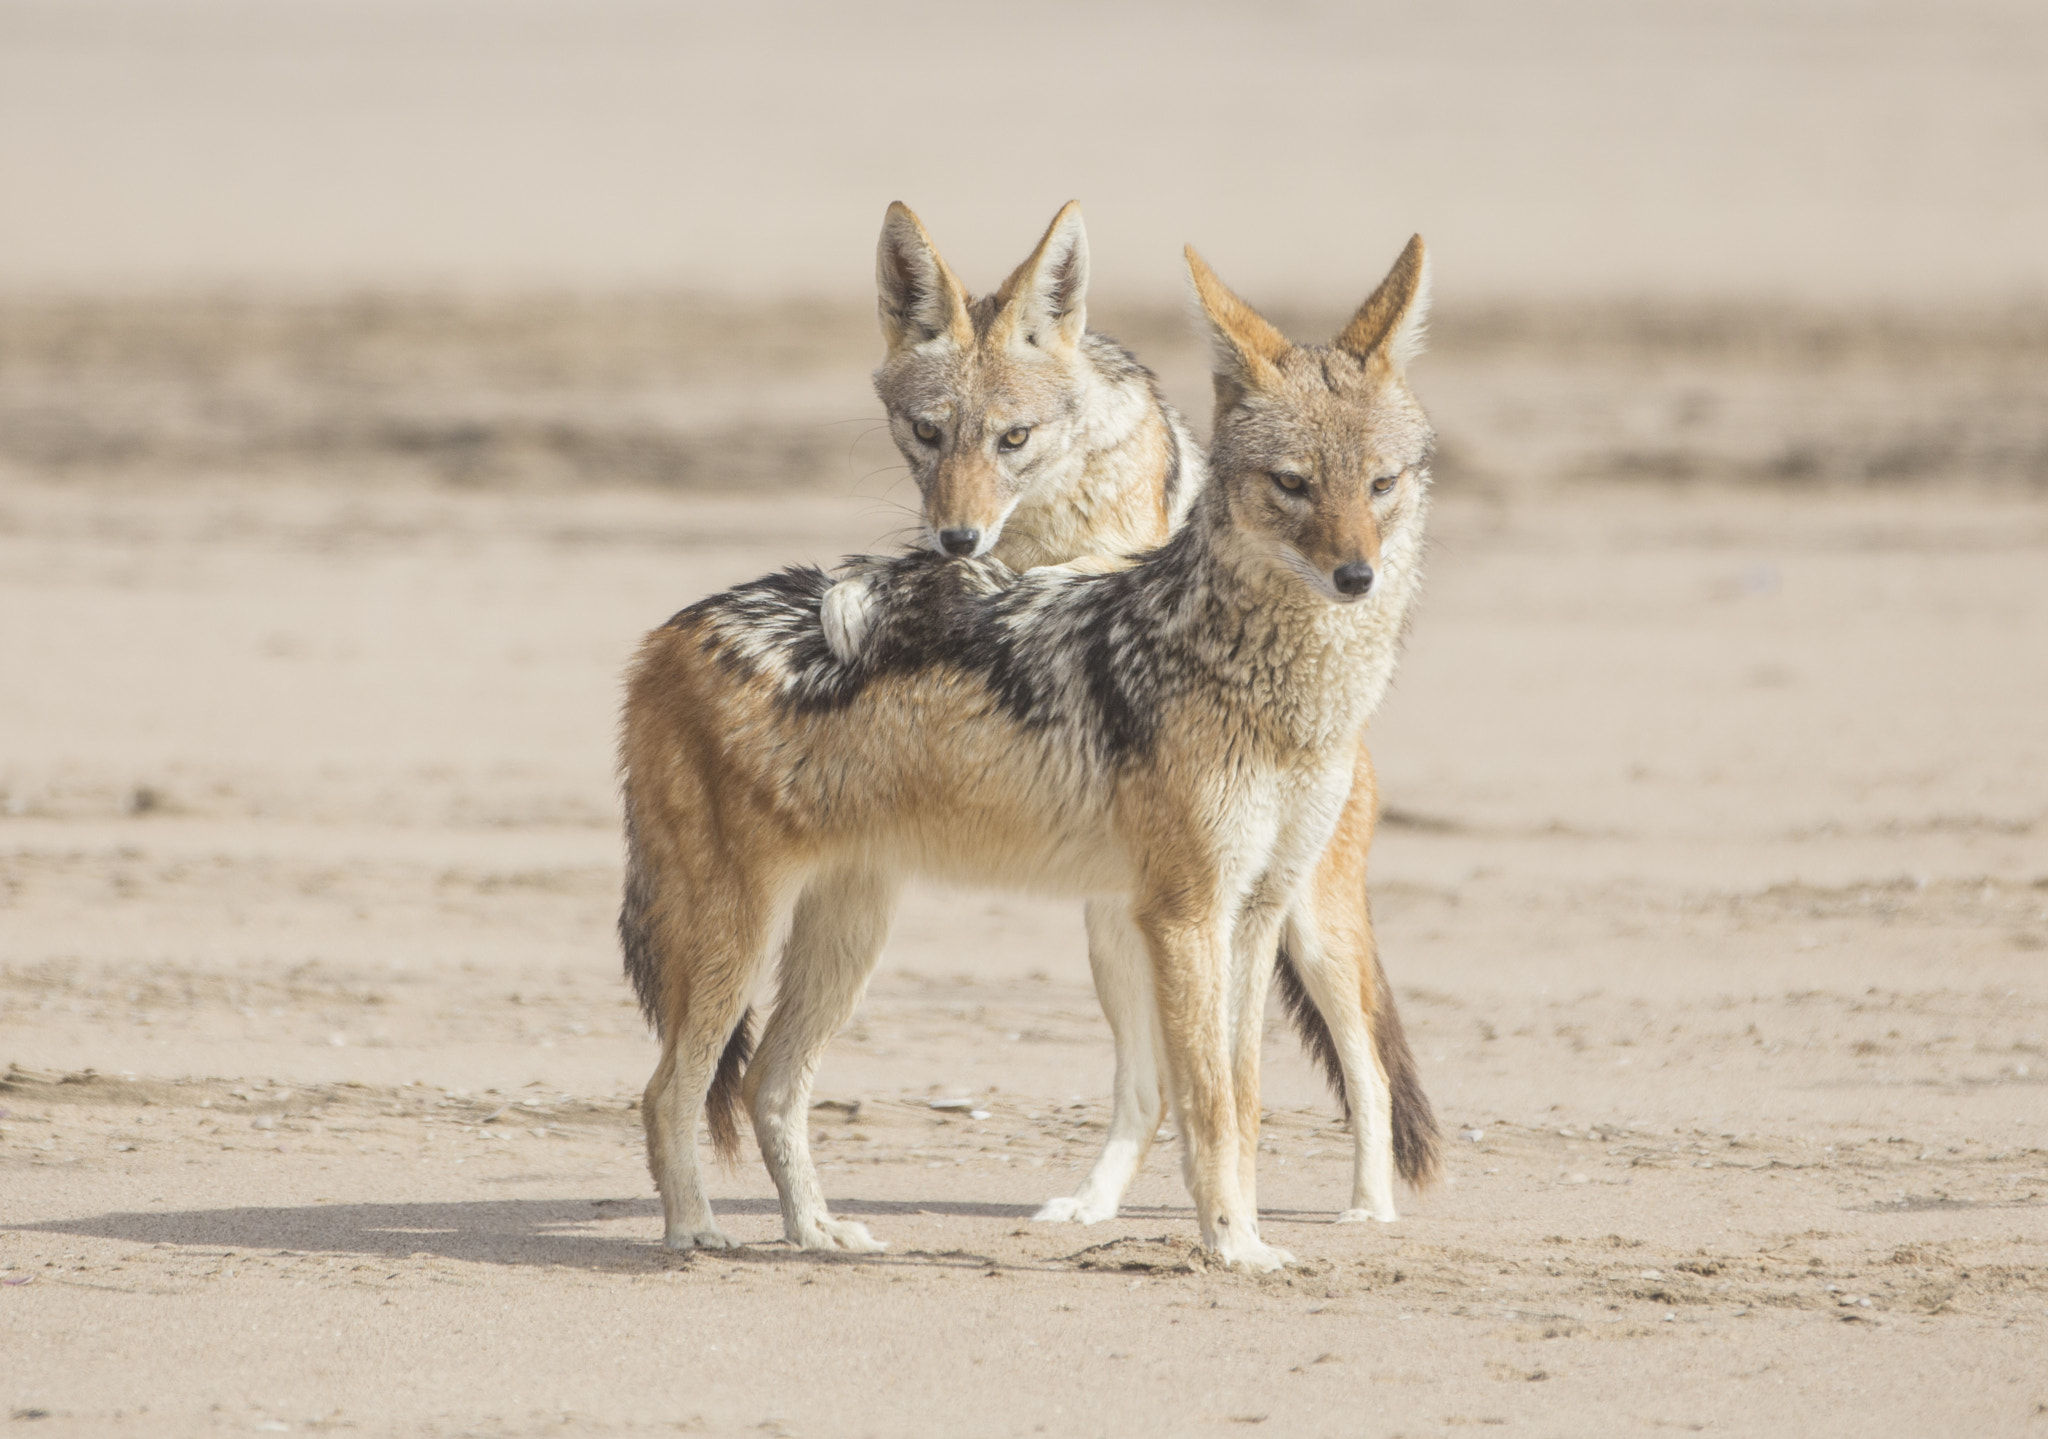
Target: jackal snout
(966,496)
(1330,527)
(1331,538)
(1353,579)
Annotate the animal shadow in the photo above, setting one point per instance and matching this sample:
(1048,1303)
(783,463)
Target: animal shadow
(543,1233)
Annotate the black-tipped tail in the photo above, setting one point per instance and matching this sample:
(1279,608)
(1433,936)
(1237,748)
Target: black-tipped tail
(636,927)
(725,1103)
(1418,1153)
(1417,1150)
(1313,1028)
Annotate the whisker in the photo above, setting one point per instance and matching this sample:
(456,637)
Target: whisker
(883,470)
(854,443)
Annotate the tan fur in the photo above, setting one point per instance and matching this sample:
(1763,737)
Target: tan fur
(757,822)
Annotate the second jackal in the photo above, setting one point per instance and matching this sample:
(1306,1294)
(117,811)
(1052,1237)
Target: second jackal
(1179,737)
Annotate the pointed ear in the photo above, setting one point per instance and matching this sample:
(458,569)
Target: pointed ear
(1393,320)
(1246,347)
(1045,300)
(917,296)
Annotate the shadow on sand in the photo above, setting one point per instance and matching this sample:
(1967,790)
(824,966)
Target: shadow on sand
(534,1232)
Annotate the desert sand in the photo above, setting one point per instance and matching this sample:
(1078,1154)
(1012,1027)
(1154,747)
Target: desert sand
(1713,881)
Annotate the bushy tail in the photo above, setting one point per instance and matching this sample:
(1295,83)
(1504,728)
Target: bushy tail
(1416,1139)
(724,1105)
(636,926)
(1313,1028)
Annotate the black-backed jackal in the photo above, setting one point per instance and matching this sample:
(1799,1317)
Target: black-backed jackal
(1181,734)
(1039,442)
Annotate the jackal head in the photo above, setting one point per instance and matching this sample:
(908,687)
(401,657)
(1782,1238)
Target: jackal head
(985,396)
(1321,452)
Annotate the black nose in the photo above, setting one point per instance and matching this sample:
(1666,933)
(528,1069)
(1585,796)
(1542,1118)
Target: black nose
(963,542)
(1352,579)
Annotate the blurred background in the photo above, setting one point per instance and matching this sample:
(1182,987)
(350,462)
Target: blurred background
(535,242)
(1815,149)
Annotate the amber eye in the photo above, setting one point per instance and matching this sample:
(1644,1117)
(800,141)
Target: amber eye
(927,431)
(1385,483)
(1013,439)
(1289,481)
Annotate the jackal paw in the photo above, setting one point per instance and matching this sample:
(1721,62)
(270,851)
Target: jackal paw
(1385,1214)
(845,612)
(708,1237)
(840,1235)
(1254,1256)
(1074,1209)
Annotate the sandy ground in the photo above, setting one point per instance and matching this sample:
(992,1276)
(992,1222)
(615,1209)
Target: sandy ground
(1715,884)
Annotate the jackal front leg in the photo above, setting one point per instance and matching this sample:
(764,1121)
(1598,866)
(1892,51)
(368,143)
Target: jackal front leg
(1191,972)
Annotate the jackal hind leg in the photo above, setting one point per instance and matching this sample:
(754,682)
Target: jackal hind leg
(714,964)
(1123,982)
(835,937)
(1332,954)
